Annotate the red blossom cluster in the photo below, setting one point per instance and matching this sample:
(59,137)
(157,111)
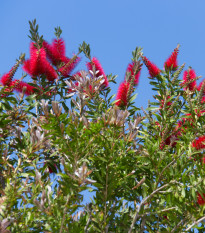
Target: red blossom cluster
(20,86)
(200,86)
(136,74)
(170,140)
(188,76)
(55,51)
(122,93)
(93,66)
(6,79)
(16,85)
(181,129)
(200,199)
(98,70)
(41,62)
(56,55)
(38,64)
(171,62)
(154,71)
(199,143)
(203,92)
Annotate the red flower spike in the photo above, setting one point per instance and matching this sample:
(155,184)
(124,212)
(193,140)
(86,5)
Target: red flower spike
(56,51)
(52,169)
(7,78)
(169,139)
(199,143)
(130,69)
(98,68)
(68,67)
(188,76)
(153,69)
(171,62)
(200,199)
(121,97)
(203,100)
(9,89)
(200,85)
(76,75)
(38,64)
(20,86)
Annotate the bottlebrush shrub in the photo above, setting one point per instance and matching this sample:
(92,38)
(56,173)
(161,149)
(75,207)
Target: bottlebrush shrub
(75,159)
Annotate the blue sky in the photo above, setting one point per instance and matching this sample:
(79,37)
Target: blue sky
(113,28)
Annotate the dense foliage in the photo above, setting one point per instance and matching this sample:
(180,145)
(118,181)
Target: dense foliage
(64,137)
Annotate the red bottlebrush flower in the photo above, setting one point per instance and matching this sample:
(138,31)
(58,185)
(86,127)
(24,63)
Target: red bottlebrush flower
(200,199)
(9,89)
(68,66)
(130,69)
(171,140)
(98,68)
(7,78)
(203,99)
(56,54)
(75,75)
(38,64)
(20,85)
(171,62)
(122,94)
(188,76)
(157,124)
(56,51)
(188,121)
(199,143)
(153,69)
(165,217)
(200,86)
(52,169)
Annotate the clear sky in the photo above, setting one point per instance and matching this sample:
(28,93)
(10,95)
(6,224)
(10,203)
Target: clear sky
(113,28)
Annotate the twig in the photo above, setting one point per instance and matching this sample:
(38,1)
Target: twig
(139,183)
(174,229)
(106,192)
(143,224)
(173,161)
(164,210)
(89,219)
(143,202)
(195,222)
(64,214)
